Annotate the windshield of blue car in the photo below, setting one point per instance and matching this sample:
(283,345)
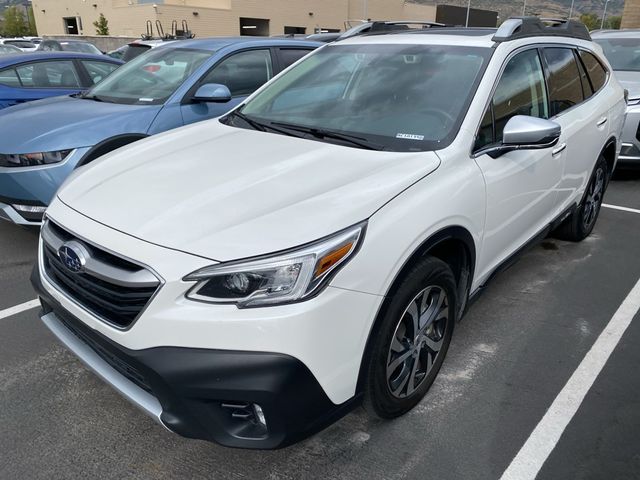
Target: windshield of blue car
(151,78)
(395,97)
(622,53)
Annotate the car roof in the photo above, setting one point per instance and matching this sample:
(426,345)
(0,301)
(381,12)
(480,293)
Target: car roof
(216,43)
(13,59)
(471,37)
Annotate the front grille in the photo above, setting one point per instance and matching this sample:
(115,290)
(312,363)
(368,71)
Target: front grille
(117,363)
(112,288)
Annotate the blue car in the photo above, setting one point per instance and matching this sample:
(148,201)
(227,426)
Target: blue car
(173,85)
(32,76)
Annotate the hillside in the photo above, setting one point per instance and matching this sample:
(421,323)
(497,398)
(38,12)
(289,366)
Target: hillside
(549,8)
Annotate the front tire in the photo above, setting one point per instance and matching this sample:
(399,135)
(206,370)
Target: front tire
(581,222)
(412,339)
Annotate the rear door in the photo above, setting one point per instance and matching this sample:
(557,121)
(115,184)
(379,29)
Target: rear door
(574,105)
(36,80)
(242,72)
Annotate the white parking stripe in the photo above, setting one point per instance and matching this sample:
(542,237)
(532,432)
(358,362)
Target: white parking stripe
(529,460)
(19,308)
(624,209)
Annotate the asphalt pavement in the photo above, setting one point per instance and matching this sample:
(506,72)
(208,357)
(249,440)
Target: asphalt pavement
(511,355)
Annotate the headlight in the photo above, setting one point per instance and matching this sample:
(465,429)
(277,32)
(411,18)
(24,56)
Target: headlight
(275,279)
(32,159)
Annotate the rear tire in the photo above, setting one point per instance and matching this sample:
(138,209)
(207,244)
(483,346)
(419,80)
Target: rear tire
(412,339)
(581,222)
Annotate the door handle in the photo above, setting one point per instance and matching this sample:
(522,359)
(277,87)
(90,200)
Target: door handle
(601,122)
(559,150)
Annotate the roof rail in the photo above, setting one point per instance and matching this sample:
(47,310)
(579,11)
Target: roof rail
(378,27)
(523,27)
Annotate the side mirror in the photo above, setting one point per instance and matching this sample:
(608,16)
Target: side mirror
(526,133)
(212,92)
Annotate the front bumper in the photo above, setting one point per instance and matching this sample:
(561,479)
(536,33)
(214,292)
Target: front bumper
(204,393)
(33,186)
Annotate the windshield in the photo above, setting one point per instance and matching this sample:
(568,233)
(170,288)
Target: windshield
(149,79)
(622,53)
(396,97)
(80,47)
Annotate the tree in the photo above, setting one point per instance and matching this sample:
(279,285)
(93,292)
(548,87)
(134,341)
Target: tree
(613,22)
(591,21)
(14,24)
(102,25)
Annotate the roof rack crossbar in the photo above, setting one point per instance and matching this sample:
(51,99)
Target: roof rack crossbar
(378,26)
(523,27)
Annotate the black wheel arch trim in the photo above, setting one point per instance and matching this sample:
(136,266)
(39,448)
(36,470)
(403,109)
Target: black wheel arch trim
(454,232)
(108,145)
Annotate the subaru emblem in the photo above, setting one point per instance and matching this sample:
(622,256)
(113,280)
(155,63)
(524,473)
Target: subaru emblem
(73,256)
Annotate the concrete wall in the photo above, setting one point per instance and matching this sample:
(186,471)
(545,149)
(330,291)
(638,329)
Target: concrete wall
(631,14)
(219,17)
(105,44)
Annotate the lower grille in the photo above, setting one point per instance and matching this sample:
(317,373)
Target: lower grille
(117,363)
(110,287)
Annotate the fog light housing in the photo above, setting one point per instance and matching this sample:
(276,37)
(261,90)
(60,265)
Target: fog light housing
(244,420)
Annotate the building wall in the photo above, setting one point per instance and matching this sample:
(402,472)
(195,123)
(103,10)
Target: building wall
(631,14)
(219,17)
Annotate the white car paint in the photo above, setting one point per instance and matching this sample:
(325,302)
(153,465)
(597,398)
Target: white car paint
(259,192)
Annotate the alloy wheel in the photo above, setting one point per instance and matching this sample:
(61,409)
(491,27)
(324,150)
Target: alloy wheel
(594,199)
(417,341)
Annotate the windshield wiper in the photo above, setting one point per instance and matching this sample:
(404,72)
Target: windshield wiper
(321,133)
(262,127)
(95,98)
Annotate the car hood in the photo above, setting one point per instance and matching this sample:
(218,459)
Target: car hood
(62,123)
(225,193)
(630,81)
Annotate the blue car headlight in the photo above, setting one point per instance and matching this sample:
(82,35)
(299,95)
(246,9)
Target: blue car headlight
(32,159)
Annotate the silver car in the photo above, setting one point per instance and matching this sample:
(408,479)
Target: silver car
(622,49)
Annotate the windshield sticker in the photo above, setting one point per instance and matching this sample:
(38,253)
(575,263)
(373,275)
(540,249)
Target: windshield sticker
(145,99)
(409,136)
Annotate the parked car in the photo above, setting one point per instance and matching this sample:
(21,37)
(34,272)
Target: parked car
(165,88)
(622,49)
(79,46)
(134,49)
(21,43)
(250,279)
(9,49)
(33,76)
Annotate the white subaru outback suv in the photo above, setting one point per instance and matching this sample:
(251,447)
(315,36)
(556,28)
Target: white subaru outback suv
(250,279)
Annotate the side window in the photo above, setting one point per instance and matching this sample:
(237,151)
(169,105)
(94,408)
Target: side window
(9,78)
(242,73)
(587,91)
(98,70)
(595,70)
(52,74)
(565,89)
(289,56)
(520,91)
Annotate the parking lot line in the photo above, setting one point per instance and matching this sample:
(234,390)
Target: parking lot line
(529,460)
(19,308)
(624,209)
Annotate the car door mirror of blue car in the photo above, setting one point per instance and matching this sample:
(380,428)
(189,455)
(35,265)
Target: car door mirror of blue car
(212,92)
(523,132)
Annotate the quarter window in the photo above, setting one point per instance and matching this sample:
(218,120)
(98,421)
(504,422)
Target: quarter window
(520,91)
(565,89)
(595,70)
(243,73)
(289,56)
(98,70)
(60,74)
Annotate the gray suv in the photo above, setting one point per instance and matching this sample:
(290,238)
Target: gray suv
(622,49)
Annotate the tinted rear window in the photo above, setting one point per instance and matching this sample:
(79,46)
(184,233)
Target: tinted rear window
(565,89)
(595,70)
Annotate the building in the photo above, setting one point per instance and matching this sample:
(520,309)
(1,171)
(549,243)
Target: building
(631,14)
(218,17)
